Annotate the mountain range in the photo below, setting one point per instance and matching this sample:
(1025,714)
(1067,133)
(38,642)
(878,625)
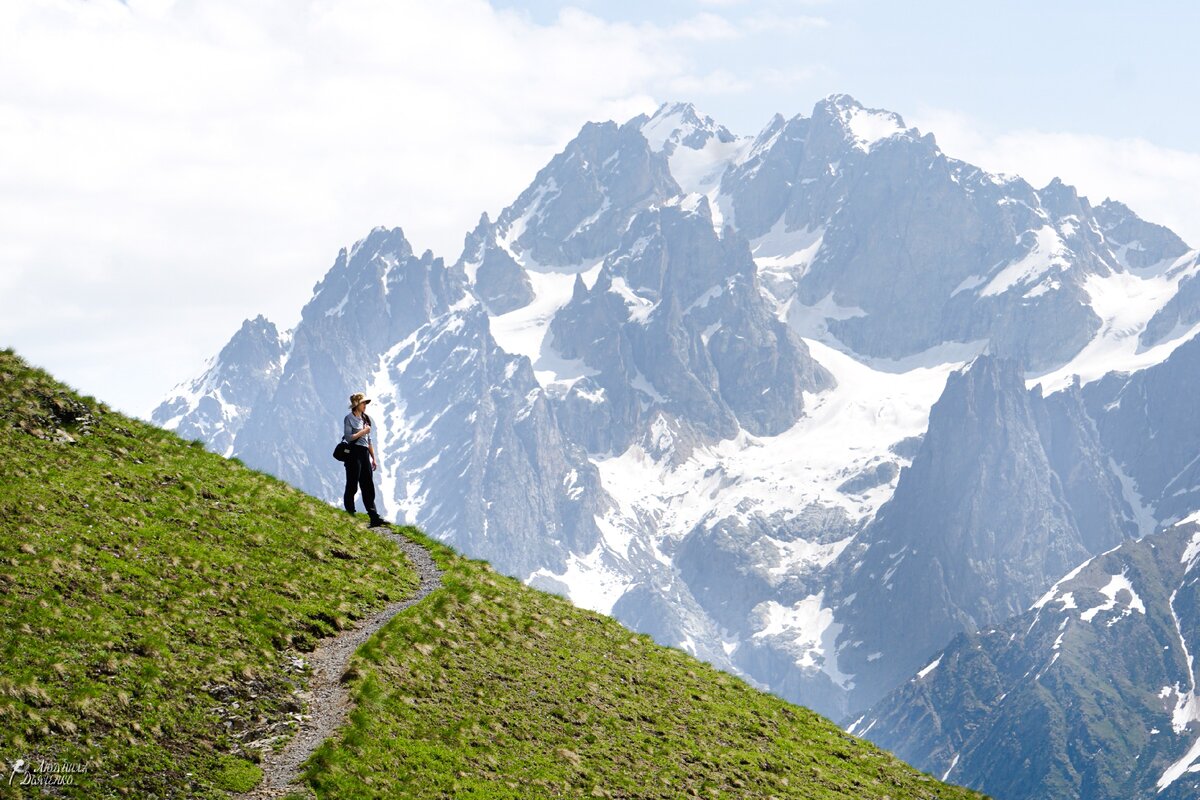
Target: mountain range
(808,405)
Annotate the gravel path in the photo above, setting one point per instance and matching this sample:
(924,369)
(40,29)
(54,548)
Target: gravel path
(329,699)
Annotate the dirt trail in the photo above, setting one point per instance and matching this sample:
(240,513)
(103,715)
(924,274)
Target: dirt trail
(329,702)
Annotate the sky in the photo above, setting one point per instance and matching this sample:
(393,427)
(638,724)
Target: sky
(172,167)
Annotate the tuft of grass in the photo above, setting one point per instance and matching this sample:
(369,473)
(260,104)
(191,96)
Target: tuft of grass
(234,774)
(490,689)
(156,600)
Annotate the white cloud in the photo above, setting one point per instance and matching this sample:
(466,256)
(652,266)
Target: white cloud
(1158,183)
(777,78)
(173,166)
(717,82)
(705,27)
(783,23)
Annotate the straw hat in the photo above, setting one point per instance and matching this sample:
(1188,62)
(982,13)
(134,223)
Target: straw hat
(358,397)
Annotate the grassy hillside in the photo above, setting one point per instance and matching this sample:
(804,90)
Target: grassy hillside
(155,599)
(489,689)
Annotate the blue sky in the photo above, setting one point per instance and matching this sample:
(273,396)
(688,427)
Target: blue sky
(1104,68)
(172,167)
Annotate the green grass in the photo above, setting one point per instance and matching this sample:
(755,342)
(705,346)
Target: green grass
(489,689)
(155,599)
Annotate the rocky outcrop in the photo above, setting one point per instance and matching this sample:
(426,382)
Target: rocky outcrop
(492,273)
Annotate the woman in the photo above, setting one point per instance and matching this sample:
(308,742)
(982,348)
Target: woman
(361,463)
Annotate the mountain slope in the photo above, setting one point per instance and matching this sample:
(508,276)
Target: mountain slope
(1116,693)
(1147,421)
(1090,693)
(154,598)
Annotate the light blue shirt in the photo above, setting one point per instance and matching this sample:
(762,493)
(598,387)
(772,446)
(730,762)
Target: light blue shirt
(353,425)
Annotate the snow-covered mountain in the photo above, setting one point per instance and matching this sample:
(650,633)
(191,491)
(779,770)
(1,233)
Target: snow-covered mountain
(686,378)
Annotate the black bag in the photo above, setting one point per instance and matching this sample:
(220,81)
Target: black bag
(342,451)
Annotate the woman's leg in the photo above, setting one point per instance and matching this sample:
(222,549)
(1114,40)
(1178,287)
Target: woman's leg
(366,482)
(352,470)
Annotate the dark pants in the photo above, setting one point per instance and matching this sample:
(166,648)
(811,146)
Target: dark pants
(358,476)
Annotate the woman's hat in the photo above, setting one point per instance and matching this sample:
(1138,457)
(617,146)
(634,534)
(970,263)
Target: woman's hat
(358,397)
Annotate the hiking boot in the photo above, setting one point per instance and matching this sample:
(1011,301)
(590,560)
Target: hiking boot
(377,522)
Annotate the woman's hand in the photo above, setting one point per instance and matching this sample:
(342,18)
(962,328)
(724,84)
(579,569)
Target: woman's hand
(365,430)
(374,466)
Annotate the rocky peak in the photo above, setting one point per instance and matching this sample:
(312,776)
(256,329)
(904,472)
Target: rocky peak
(358,269)
(858,126)
(579,203)
(474,241)
(767,136)
(379,242)
(680,124)
(376,293)
(803,168)
(246,371)
(1136,243)
(1062,200)
(256,342)
(776,165)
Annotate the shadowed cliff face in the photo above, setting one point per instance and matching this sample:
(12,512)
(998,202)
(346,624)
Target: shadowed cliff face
(986,517)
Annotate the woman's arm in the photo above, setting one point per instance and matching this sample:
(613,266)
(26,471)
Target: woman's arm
(351,435)
(370,442)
